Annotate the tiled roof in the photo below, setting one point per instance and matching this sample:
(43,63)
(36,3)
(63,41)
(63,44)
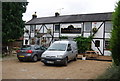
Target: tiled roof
(72,18)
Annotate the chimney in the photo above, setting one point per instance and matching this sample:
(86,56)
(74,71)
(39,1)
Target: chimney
(57,14)
(34,15)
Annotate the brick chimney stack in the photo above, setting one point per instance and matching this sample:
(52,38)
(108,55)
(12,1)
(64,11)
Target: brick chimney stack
(34,15)
(57,14)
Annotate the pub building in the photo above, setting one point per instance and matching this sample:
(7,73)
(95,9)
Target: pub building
(46,30)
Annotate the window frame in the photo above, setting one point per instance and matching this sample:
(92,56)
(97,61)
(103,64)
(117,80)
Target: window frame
(57,30)
(97,43)
(106,26)
(86,27)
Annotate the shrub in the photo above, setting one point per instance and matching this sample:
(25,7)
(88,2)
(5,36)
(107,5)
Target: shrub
(63,37)
(83,44)
(115,44)
(112,72)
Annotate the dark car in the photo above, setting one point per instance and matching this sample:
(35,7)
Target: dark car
(30,52)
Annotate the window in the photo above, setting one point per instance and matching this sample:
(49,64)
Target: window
(57,47)
(97,43)
(87,26)
(107,45)
(57,28)
(26,42)
(32,28)
(108,26)
(69,47)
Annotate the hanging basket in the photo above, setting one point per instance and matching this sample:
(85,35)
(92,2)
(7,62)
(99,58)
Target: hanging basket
(94,30)
(26,31)
(49,31)
(43,40)
(36,31)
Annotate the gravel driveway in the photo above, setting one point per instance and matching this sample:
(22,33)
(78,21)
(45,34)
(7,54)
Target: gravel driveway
(80,69)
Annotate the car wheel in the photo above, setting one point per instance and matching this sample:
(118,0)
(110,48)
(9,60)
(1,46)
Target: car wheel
(65,62)
(35,58)
(75,59)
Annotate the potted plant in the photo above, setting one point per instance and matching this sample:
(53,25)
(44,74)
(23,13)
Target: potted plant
(83,57)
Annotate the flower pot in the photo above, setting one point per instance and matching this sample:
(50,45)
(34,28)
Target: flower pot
(83,58)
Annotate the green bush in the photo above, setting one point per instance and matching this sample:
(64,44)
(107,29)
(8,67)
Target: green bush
(113,73)
(83,44)
(63,37)
(115,44)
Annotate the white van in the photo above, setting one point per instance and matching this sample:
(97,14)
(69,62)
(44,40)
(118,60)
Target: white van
(60,52)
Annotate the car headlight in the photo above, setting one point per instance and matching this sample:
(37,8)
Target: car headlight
(59,56)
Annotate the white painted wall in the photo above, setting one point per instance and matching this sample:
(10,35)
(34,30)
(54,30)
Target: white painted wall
(26,36)
(95,48)
(99,34)
(86,34)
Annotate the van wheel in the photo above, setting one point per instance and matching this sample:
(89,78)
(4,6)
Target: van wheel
(65,62)
(75,59)
(35,58)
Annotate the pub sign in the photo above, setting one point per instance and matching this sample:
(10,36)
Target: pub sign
(71,30)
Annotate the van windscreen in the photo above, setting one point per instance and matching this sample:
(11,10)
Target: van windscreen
(57,47)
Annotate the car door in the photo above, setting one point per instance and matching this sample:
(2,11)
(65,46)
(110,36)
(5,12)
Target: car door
(42,49)
(69,52)
(37,51)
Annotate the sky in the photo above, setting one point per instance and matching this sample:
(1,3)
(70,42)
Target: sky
(46,8)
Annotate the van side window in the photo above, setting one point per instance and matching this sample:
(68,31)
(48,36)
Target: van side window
(69,47)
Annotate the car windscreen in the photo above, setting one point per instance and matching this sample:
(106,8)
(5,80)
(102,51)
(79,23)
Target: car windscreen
(26,48)
(57,47)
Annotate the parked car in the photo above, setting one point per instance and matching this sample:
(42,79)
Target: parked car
(60,52)
(30,52)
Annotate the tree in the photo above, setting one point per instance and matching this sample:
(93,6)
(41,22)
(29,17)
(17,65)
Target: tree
(115,39)
(12,23)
